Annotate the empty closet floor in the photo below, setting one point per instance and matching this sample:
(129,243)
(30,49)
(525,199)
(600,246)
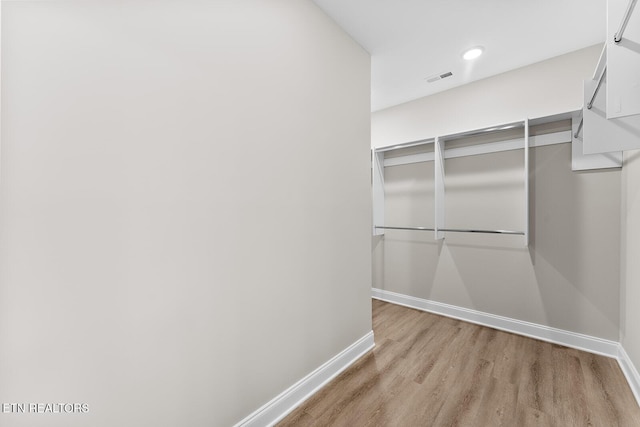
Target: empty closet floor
(429,370)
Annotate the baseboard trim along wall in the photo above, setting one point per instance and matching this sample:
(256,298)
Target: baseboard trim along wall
(630,372)
(532,330)
(276,409)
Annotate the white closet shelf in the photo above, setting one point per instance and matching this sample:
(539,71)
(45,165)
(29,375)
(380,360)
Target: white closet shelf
(452,136)
(440,153)
(484,148)
(610,122)
(406,145)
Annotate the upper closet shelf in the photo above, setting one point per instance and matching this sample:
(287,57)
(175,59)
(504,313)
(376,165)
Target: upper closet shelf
(610,120)
(491,139)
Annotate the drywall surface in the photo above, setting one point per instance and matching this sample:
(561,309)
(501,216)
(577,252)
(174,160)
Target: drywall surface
(630,289)
(542,89)
(185,206)
(569,276)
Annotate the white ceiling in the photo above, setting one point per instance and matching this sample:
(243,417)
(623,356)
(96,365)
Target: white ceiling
(410,40)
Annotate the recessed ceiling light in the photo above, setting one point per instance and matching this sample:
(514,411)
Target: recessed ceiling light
(473,53)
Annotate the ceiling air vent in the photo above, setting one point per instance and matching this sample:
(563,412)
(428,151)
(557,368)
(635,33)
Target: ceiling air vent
(439,76)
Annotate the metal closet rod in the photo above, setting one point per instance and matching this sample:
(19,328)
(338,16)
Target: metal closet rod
(625,20)
(453,230)
(406,228)
(575,135)
(595,93)
(460,230)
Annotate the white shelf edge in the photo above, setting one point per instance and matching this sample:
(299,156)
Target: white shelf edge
(560,137)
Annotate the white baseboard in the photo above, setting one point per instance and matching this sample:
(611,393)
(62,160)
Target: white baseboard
(291,398)
(532,330)
(630,372)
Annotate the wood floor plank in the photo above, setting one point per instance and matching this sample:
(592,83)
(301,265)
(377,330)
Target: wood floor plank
(418,402)
(528,417)
(466,393)
(498,406)
(299,417)
(429,370)
(569,393)
(505,362)
(426,360)
(536,378)
(376,408)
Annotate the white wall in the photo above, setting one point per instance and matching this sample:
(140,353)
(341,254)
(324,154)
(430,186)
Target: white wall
(630,289)
(569,276)
(185,206)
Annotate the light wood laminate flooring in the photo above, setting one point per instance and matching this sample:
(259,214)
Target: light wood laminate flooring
(429,370)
